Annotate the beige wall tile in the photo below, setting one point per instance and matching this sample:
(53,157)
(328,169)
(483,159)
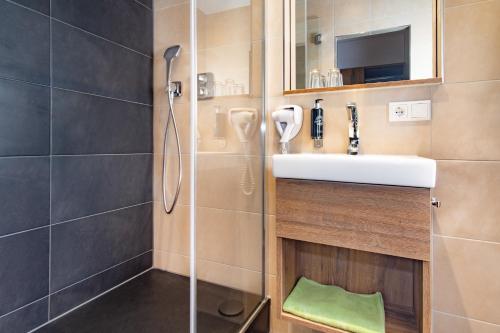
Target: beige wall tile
(466,278)
(228,27)
(465,121)
(162,4)
(230,182)
(171,26)
(445,323)
(471,43)
(378,136)
(230,237)
(171,232)
(171,262)
(225,275)
(274,19)
(182,119)
(172,174)
(452,3)
(257,74)
(274,66)
(470,193)
(258,19)
(229,276)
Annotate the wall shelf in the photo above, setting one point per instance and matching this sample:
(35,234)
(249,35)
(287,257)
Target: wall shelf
(391,84)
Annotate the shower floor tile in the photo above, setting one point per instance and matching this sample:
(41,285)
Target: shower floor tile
(156,301)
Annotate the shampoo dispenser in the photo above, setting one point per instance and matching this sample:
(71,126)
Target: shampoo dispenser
(317,124)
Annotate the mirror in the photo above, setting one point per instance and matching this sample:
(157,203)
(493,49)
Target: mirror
(347,44)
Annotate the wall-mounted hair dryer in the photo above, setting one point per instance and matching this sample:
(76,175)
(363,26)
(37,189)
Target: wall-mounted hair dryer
(288,120)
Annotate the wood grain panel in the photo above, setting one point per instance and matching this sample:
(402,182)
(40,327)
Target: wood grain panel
(389,220)
(400,280)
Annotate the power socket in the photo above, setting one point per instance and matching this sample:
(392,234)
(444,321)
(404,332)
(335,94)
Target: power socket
(410,111)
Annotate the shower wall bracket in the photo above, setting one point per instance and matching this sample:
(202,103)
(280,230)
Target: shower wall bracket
(176,88)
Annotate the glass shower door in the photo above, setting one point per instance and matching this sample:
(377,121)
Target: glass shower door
(229,164)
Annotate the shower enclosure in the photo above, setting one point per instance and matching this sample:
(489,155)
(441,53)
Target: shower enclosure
(213,232)
(128,204)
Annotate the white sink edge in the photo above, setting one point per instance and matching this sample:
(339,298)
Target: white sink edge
(419,171)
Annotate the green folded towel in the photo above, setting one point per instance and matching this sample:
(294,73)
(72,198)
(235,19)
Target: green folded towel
(336,307)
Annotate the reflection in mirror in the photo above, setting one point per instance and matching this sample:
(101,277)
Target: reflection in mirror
(346,42)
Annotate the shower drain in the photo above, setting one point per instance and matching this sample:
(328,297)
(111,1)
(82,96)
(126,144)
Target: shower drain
(231,308)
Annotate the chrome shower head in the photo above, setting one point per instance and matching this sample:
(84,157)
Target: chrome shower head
(172,52)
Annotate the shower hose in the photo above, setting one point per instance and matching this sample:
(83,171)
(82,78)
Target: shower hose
(171,117)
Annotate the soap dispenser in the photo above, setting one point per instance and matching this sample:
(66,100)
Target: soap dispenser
(317,124)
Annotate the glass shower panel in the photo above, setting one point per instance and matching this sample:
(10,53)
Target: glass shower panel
(229,162)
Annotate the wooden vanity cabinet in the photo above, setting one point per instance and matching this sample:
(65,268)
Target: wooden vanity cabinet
(363,238)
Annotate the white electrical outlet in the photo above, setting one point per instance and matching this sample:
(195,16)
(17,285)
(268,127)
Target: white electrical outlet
(410,111)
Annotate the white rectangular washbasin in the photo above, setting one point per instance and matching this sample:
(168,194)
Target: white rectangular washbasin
(399,170)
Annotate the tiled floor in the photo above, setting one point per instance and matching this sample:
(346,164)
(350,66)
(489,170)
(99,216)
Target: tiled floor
(155,302)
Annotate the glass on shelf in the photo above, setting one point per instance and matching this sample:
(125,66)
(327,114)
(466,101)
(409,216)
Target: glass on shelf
(334,78)
(220,88)
(229,87)
(315,79)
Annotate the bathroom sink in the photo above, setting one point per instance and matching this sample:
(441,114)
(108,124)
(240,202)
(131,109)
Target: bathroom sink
(400,170)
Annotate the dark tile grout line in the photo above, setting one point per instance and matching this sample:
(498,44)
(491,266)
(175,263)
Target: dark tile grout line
(75,27)
(50,160)
(22,307)
(102,96)
(6,78)
(73,155)
(73,91)
(24,231)
(102,213)
(102,271)
(74,219)
(84,279)
(103,154)
(92,299)
(103,38)
(143,5)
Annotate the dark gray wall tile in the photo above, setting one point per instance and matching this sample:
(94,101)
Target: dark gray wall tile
(125,22)
(147,3)
(25,319)
(86,63)
(24,44)
(24,275)
(24,119)
(70,297)
(42,6)
(86,124)
(87,246)
(82,124)
(24,193)
(85,185)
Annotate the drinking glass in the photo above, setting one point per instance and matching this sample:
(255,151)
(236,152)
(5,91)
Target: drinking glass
(335,78)
(315,79)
